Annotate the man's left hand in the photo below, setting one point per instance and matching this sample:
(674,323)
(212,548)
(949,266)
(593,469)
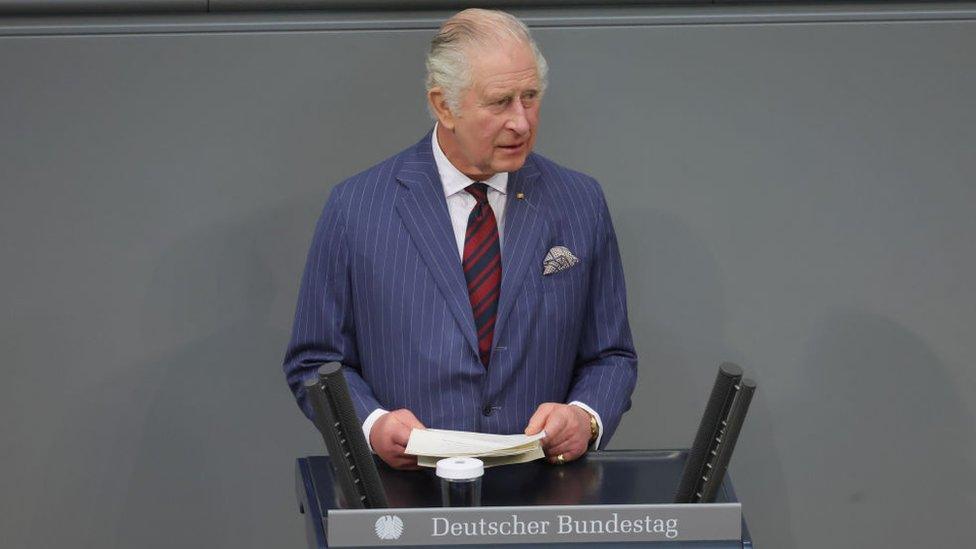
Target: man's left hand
(567,430)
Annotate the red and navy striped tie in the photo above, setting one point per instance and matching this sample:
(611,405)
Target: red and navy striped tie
(482,267)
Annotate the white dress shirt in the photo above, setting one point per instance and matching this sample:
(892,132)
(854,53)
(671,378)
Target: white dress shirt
(459,206)
(460,202)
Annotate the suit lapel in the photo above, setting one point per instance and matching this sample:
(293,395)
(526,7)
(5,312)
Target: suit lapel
(423,209)
(524,227)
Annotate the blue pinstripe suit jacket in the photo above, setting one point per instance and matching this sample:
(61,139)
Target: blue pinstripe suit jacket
(384,294)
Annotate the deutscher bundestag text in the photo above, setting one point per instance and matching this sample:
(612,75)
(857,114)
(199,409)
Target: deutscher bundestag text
(565,525)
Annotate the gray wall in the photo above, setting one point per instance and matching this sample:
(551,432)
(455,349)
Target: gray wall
(792,189)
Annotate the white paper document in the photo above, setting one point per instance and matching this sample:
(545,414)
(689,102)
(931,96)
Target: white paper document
(430,445)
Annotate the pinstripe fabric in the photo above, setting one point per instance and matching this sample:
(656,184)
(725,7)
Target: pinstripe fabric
(384,293)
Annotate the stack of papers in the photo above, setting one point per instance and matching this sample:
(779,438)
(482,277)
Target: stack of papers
(431,445)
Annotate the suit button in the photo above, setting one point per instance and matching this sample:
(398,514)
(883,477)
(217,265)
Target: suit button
(486,411)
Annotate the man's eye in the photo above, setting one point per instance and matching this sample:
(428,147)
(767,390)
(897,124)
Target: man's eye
(502,102)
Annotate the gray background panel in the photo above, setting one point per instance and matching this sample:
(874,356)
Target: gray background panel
(794,196)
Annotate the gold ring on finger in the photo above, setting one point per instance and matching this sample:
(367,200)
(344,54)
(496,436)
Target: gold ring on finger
(561,459)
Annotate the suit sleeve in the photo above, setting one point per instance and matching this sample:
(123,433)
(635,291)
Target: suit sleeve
(324,327)
(606,362)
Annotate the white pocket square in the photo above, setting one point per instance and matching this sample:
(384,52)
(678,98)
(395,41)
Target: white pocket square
(559,258)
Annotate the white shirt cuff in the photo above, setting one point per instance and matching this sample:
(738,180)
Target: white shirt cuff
(599,422)
(370,420)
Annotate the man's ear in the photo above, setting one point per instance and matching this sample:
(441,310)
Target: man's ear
(438,104)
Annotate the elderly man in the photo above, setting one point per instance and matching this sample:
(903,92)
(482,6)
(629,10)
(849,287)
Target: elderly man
(467,282)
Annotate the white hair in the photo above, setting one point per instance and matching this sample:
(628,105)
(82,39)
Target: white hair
(447,61)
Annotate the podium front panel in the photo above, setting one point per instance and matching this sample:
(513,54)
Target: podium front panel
(616,477)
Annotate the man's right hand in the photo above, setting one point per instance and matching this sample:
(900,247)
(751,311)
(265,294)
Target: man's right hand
(389,436)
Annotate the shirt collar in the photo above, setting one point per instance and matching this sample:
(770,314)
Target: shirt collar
(453,180)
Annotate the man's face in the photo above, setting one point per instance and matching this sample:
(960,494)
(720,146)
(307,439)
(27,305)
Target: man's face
(494,128)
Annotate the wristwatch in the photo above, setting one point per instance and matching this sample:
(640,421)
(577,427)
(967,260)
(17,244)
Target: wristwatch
(594,428)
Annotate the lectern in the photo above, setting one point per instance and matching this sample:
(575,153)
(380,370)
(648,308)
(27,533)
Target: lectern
(607,499)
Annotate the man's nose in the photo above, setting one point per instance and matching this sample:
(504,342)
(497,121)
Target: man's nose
(518,120)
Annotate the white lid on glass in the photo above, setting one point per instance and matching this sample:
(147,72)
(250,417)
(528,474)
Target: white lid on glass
(460,468)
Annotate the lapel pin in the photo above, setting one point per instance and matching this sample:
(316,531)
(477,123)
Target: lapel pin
(520,196)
